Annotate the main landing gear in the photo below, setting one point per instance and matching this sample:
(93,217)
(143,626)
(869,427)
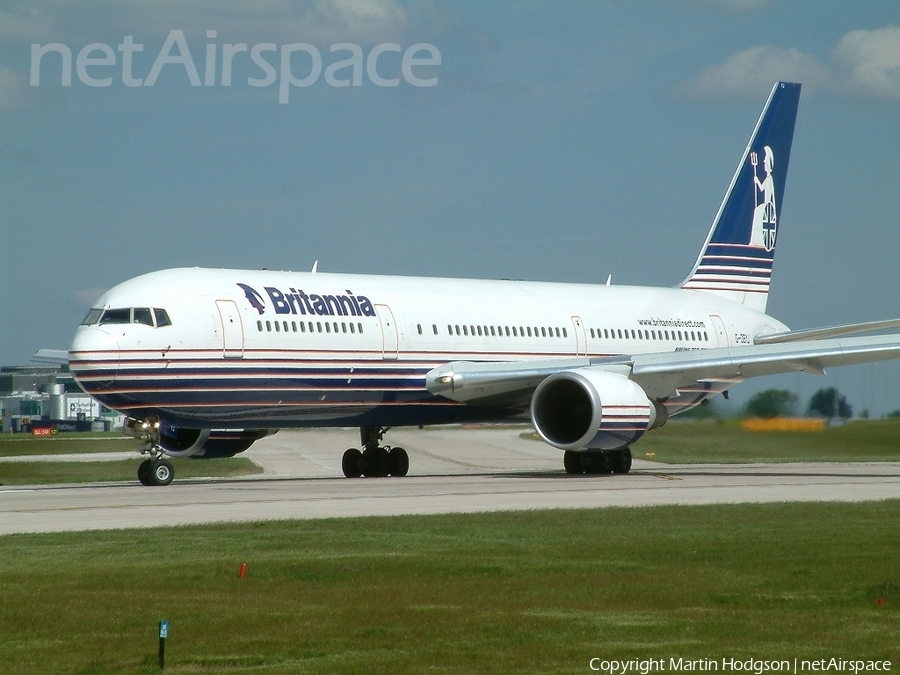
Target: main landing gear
(598,461)
(375,459)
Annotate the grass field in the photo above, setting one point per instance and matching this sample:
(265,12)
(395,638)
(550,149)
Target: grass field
(539,592)
(686,442)
(32,473)
(65,443)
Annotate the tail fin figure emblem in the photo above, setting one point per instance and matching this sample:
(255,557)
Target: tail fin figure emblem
(765,214)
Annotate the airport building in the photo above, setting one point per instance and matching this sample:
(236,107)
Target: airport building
(46,399)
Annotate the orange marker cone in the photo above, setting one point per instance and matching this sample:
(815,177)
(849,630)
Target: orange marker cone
(243,570)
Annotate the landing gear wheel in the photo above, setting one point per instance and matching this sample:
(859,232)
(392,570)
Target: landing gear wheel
(621,461)
(350,463)
(161,472)
(374,463)
(572,462)
(143,472)
(597,462)
(399,462)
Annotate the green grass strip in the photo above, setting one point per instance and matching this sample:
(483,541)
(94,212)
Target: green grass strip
(725,442)
(534,592)
(33,473)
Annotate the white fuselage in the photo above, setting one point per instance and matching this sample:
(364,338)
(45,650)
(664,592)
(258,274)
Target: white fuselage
(261,349)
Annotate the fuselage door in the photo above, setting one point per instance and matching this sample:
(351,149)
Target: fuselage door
(232,329)
(580,336)
(390,346)
(721,333)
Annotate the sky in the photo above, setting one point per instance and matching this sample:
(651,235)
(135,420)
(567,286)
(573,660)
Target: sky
(559,141)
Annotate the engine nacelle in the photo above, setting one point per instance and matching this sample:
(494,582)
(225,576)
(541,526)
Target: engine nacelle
(589,408)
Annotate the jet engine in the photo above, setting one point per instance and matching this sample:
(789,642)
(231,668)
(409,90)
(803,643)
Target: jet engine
(589,408)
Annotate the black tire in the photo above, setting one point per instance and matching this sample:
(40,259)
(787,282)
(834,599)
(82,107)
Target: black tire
(622,461)
(374,463)
(597,462)
(143,472)
(161,472)
(572,462)
(399,462)
(350,463)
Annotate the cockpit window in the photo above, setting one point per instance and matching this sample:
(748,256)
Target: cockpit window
(93,316)
(142,315)
(116,316)
(162,317)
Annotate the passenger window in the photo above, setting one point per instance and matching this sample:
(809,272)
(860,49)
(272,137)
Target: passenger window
(465,330)
(359,326)
(259,326)
(92,317)
(479,331)
(565,334)
(352,329)
(434,328)
(116,316)
(268,327)
(543,332)
(529,331)
(277,327)
(319,326)
(294,326)
(162,317)
(302,327)
(327,327)
(419,328)
(343,327)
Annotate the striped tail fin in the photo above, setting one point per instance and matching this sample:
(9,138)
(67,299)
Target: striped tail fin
(736,259)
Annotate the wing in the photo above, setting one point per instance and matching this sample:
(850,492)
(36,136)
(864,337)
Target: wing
(659,374)
(51,357)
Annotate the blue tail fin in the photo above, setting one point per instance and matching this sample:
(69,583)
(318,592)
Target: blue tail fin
(736,260)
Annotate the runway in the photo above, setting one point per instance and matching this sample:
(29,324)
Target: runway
(452,470)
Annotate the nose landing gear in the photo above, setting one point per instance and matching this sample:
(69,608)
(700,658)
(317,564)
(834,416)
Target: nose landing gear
(156,470)
(374,460)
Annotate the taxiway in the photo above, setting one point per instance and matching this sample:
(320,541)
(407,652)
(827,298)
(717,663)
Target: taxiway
(452,470)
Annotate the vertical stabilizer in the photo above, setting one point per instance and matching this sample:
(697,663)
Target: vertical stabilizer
(736,260)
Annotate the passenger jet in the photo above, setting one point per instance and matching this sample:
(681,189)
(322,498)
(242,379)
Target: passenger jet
(203,362)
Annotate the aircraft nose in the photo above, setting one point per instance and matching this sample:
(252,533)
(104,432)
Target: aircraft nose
(94,358)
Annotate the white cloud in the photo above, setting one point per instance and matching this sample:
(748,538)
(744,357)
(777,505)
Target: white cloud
(864,63)
(24,22)
(869,62)
(14,93)
(316,21)
(752,72)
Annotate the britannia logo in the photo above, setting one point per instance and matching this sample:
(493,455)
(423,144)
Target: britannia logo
(765,214)
(254,298)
